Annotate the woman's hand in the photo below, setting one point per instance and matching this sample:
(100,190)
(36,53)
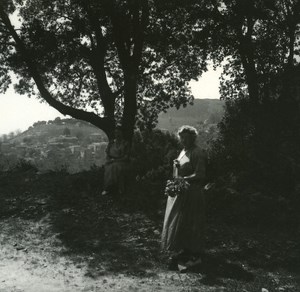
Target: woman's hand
(176,162)
(186,178)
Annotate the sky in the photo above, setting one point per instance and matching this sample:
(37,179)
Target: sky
(18,112)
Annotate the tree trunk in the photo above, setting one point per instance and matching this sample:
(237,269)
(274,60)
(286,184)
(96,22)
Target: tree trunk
(130,105)
(246,51)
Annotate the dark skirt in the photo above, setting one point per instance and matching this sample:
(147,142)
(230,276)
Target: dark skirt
(184,222)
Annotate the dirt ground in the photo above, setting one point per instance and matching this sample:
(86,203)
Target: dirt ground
(33,259)
(57,235)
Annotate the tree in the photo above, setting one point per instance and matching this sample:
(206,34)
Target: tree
(38,123)
(259,133)
(257,43)
(119,55)
(256,40)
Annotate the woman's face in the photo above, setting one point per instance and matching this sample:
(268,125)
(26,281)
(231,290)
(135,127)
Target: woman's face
(186,139)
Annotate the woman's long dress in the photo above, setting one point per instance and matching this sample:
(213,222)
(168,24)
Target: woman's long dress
(184,222)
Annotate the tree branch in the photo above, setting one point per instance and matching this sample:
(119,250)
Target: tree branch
(139,26)
(120,33)
(96,60)
(118,92)
(91,117)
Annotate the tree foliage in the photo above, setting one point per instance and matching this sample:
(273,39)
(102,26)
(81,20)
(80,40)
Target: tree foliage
(259,134)
(100,61)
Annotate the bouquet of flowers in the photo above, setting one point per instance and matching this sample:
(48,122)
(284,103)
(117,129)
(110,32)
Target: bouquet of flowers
(176,187)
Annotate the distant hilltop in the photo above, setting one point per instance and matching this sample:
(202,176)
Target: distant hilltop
(61,144)
(43,131)
(209,111)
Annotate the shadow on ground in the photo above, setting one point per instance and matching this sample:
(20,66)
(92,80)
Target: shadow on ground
(110,235)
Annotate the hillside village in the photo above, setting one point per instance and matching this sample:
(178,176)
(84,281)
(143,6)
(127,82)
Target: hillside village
(56,145)
(73,145)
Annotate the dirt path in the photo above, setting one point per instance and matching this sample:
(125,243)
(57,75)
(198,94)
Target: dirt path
(57,235)
(33,259)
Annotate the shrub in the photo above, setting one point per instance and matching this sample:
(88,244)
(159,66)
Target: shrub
(153,153)
(151,165)
(259,147)
(23,165)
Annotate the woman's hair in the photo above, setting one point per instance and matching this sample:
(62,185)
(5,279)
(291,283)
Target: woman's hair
(189,130)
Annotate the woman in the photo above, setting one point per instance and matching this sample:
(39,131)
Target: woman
(184,222)
(117,154)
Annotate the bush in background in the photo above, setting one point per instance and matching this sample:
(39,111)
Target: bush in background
(255,161)
(151,165)
(153,153)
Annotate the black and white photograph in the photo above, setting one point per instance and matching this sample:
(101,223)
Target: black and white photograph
(150,145)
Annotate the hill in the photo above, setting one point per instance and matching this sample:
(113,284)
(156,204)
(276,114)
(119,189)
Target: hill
(77,145)
(66,144)
(208,111)
(43,132)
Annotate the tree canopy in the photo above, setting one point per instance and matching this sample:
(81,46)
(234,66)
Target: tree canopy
(103,61)
(259,135)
